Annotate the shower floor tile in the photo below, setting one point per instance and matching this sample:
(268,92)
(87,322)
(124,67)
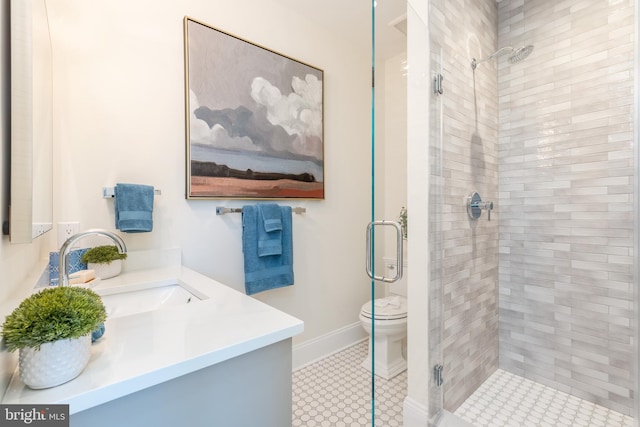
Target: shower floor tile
(505,399)
(336,392)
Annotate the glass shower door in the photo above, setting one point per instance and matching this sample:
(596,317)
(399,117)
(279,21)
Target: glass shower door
(384,234)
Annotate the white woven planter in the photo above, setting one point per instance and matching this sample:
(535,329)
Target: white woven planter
(55,363)
(105,271)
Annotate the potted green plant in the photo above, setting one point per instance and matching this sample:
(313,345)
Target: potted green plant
(52,331)
(105,260)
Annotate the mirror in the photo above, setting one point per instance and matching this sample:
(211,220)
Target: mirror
(31,205)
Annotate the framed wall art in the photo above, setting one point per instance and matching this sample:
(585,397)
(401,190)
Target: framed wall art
(254,120)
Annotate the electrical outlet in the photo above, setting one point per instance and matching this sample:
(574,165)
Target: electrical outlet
(39,228)
(66,230)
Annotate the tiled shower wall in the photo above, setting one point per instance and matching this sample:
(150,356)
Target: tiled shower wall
(462,30)
(565,206)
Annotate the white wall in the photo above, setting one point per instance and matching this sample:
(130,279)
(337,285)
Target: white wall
(120,117)
(393,142)
(418,87)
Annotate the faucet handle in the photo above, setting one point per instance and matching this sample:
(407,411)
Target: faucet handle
(487,206)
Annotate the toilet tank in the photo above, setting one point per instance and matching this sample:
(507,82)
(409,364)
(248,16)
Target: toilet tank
(399,287)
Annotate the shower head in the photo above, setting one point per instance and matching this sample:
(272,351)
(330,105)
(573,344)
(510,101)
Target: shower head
(516,56)
(520,54)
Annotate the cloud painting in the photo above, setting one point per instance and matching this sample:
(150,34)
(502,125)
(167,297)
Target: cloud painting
(254,117)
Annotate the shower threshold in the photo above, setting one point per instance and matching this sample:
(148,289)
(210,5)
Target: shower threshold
(447,419)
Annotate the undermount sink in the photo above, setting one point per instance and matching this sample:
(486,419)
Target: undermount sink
(141,300)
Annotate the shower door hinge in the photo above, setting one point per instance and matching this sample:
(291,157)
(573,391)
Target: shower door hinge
(437,84)
(437,375)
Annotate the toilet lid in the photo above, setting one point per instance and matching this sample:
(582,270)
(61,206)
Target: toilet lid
(389,308)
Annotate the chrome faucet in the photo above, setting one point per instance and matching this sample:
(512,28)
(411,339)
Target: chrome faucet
(66,248)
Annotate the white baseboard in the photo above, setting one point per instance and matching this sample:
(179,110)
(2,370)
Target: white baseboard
(414,414)
(327,344)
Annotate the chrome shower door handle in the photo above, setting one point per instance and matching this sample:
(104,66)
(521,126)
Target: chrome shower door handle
(399,254)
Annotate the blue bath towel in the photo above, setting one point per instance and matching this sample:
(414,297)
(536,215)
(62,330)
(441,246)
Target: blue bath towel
(269,229)
(134,208)
(262,273)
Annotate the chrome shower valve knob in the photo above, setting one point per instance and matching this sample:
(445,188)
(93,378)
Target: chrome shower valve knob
(475,206)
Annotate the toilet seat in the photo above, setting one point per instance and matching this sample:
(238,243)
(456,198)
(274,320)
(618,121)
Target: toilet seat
(386,311)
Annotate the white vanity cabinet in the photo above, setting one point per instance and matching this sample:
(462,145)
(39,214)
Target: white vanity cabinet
(247,391)
(224,360)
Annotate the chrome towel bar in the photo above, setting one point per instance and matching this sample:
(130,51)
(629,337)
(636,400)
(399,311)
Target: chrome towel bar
(110,192)
(221,210)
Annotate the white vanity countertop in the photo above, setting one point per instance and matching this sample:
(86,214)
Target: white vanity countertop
(146,349)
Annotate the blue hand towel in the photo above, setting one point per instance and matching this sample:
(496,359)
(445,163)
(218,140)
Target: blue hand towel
(269,229)
(271,217)
(266,272)
(134,208)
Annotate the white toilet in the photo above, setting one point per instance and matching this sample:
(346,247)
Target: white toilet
(390,326)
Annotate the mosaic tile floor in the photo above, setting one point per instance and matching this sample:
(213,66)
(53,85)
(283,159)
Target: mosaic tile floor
(506,399)
(336,392)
